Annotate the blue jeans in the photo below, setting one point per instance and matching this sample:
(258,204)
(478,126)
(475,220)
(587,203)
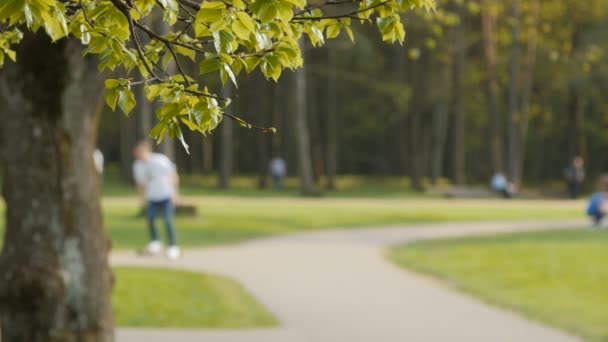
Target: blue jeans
(166,208)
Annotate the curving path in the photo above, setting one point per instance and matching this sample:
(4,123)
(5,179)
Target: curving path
(336,286)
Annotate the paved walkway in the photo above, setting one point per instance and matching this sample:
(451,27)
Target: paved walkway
(336,286)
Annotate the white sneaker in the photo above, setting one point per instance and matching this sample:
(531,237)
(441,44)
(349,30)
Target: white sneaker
(173,252)
(154,247)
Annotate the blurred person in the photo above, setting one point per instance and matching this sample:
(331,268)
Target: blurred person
(499,184)
(98,160)
(575,176)
(278,171)
(157,180)
(598,203)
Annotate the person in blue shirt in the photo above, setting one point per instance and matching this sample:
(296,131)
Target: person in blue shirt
(499,184)
(596,209)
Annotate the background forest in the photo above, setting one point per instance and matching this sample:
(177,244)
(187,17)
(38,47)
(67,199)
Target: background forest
(478,87)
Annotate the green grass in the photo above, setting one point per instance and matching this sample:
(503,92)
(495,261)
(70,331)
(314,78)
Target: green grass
(231,219)
(167,298)
(559,278)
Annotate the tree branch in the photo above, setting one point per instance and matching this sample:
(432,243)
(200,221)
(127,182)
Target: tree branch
(341,16)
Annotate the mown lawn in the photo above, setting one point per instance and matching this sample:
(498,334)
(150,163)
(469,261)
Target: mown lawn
(229,219)
(559,278)
(167,298)
(225,219)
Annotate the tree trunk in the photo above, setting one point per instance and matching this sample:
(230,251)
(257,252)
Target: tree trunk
(207,150)
(417,108)
(528,78)
(56,281)
(488,19)
(332,120)
(260,99)
(144,113)
(439,126)
(167,146)
(226,152)
(513,137)
(127,142)
(458,122)
(302,134)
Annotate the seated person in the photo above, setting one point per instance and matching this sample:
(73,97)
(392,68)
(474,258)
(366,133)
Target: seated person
(499,184)
(596,209)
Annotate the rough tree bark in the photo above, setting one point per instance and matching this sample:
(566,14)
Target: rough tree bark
(302,134)
(55,278)
(488,20)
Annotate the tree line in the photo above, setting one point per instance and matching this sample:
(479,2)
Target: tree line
(478,87)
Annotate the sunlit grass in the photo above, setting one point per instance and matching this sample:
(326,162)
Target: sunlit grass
(559,278)
(229,219)
(232,219)
(168,298)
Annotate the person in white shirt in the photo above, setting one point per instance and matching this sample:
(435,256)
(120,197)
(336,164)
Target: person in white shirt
(156,179)
(98,160)
(278,171)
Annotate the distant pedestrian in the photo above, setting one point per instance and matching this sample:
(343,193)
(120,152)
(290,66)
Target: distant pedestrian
(575,176)
(157,180)
(499,184)
(598,203)
(98,160)
(278,171)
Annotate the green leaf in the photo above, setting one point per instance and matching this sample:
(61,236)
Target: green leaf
(222,41)
(211,12)
(126,100)
(158,132)
(112,98)
(186,52)
(349,31)
(285,10)
(240,30)
(112,83)
(152,91)
(209,65)
(246,20)
(230,74)
(333,31)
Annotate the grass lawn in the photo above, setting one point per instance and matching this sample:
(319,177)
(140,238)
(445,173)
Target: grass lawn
(559,278)
(167,298)
(229,219)
(225,219)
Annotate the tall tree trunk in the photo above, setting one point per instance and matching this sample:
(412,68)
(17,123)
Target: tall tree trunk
(458,120)
(143,112)
(127,142)
(261,100)
(528,78)
(56,281)
(513,136)
(302,134)
(332,120)
(416,136)
(167,146)
(207,150)
(488,20)
(440,125)
(226,149)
